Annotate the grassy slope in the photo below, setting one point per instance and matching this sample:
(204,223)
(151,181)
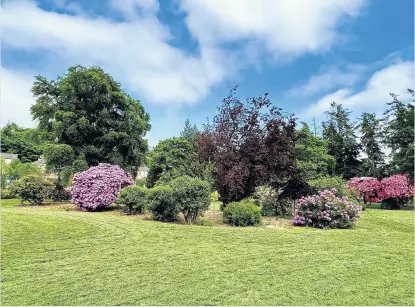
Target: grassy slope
(54,255)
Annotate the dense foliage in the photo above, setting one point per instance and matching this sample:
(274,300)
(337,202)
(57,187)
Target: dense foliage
(87,110)
(26,142)
(339,132)
(162,204)
(270,204)
(370,129)
(396,191)
(312,155)
(98,187)
(19,170)
(365,188)
(251,143)
(242,214)
(32,188)
(329,183)
(191,196)
(326,210)
(58,156)
(399,135)
(166,157)
(133,198)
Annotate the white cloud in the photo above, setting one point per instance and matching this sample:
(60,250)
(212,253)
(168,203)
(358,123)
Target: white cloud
(138,51)
(16,98)
(396,78)
(290,28)
(327,79)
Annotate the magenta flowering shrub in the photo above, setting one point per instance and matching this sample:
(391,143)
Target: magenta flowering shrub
(99,186)
(365,188)
(396,190)
(326,210)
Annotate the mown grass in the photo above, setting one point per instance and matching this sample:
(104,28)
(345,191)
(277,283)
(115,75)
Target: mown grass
(56,255)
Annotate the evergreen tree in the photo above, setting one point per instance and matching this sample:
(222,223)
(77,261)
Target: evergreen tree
(189,132)
(312,156)
(374,163)
(399,135)
(339,132)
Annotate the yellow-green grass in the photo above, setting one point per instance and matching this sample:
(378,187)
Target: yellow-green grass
(56,255)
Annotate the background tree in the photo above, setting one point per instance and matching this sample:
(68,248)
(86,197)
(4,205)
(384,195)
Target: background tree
(189,132)
(28,143)
(166,157)
(58,156)
(374,162)
(251,143)
(399,135)
(312,155)
(87,110)
(4,172)
(339,132)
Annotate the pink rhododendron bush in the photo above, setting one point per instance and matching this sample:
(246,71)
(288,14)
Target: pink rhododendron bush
(396,191)
(326,210)
(365,188)
(99,186)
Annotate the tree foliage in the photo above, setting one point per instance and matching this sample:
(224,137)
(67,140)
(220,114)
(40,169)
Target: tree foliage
(251,143)
(312,155)
(370,128)
(87,110)
(58,156)
(399,135)
(339,132)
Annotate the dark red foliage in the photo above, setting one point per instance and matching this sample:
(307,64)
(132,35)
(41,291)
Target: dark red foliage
(251,143)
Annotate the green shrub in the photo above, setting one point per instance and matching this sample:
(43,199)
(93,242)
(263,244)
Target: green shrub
(267,199)
(162,203)
(214,197)
(192,196)
(32,188)
(133,198)
(141,182)
(59,193)
(7,194)
(242,214)
(329,183)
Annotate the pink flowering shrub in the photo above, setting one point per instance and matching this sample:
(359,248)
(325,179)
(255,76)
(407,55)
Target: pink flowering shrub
(365,188)
(99,186)
(396,190)
(326,210)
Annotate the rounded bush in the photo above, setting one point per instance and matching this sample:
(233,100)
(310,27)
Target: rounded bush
(325,210)
(192,196)
(99,186)
(133,198)
(242,214)
(267,199)
(396,191)
(162,203)
(32,188)
(59,193)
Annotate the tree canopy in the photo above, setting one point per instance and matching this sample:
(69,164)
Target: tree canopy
(339,132)
(312,155)
(399,135)
(87,110)
(251,143)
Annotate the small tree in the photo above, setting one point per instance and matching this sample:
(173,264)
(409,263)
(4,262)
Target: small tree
(192,196)
(251,143)
(133,198)
(58,156)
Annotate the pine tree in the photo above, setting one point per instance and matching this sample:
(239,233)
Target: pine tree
(339,132)
(374,163)
(399,135)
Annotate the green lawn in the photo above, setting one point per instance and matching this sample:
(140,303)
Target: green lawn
(55,255)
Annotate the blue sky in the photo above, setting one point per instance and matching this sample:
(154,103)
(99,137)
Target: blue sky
(180,58)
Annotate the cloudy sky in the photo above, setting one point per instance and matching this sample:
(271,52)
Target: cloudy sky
(180,58)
